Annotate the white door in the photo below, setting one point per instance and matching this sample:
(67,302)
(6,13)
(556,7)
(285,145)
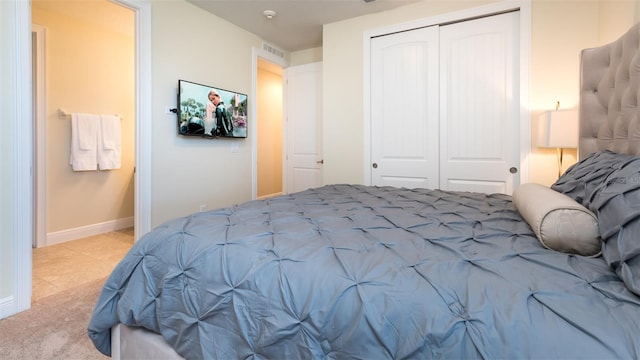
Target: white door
(404,109)
(303,132)
(479,107)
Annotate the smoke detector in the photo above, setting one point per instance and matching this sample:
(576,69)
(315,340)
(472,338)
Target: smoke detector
(269,14)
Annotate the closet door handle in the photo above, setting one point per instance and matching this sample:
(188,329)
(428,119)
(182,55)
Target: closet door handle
(513,170)
(320,161)
(374,165)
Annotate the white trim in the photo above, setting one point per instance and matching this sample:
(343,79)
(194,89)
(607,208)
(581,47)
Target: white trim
(19,123)
(40,136)
(144,94)
(7,306)
(89,230)
(366,102)
(524,8)
(253,121)
(263,197)
(525,81)
(286,165)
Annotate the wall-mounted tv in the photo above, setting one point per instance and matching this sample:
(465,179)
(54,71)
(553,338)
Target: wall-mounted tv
(210,112)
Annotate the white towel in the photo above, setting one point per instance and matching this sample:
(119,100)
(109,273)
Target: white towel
(109,142)
(84,141)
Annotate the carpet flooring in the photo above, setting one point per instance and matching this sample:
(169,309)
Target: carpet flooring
(54,328)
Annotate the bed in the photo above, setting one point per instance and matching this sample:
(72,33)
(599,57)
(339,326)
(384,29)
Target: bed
(348,271)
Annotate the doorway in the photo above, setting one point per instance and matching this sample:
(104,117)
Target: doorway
(89,203)
(269,128)
(297,149)
(79,204)
(19,270)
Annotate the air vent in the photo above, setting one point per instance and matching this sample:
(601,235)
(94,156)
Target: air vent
(273,50)
(368,1)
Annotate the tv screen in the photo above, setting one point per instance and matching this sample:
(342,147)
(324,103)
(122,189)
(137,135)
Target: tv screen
(211,112)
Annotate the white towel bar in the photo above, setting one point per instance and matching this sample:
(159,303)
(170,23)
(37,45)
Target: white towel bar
(63,114)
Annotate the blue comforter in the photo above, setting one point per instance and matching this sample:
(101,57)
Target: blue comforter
(357,272)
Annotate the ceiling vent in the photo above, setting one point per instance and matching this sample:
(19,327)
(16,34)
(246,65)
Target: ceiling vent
(368,1)
(273,50)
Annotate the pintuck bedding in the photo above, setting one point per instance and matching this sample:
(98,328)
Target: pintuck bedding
(351,271)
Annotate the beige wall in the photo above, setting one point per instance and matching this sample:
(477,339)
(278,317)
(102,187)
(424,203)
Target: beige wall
(560,29)
(307,56)
(269,162)
(615,18)
(191,44)
(90,69)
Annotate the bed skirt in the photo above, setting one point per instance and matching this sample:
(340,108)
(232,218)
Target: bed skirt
(138,343)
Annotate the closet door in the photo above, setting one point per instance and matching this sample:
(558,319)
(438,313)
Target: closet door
(445,106)
(479,109)
(404,109)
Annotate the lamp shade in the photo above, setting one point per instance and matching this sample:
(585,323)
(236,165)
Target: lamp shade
(558,129)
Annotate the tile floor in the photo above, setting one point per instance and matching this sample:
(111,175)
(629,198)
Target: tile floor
(62,266)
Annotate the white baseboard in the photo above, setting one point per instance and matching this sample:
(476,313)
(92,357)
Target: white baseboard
(268,196)
(7,307)
(89,230)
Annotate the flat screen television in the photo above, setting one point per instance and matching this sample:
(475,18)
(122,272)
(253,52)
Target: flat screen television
(210,112)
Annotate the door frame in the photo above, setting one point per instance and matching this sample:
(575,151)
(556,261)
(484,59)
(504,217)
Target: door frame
(524,8)
(21,165)
(40,135)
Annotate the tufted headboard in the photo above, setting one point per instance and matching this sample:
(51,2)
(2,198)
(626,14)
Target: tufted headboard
(609,91)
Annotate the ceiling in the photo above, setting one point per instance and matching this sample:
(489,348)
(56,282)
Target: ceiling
(297,24)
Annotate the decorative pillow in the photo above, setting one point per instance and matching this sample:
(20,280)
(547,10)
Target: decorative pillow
(582,180)
(559,222)
(618,207)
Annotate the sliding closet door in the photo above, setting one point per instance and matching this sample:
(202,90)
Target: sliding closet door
(479,109)
(445,106)
(404,109)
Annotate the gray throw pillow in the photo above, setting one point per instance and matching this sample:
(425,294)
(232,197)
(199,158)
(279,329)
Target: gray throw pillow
(617,205)
(582,181)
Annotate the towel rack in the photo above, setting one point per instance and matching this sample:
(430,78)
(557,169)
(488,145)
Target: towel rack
(64,114)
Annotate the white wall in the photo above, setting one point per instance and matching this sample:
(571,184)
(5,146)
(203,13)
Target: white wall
(307,56)
(191,44)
